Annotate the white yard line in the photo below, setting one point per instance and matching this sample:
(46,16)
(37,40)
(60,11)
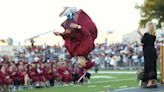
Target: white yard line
(115,72)
(107,86)
(116,80)
(121,87)
(77,85)
(101,91)
(91,86)
(102,77)
(124,88)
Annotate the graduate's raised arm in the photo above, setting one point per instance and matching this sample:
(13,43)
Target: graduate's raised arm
(75,26)
(57,33)
(139,32)
(80,28)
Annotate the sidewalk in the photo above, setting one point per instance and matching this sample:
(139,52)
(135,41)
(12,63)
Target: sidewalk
(159,89)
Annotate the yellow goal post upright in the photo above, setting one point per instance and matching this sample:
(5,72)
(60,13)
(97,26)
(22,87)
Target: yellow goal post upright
(162,62)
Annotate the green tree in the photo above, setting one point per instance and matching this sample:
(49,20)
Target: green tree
(152,9)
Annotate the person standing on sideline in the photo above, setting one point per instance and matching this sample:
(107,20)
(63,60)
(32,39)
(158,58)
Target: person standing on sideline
(150,56)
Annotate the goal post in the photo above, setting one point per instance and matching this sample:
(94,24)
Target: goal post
(162,62)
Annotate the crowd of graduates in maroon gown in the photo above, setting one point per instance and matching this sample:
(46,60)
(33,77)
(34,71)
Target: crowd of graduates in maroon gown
(38,74)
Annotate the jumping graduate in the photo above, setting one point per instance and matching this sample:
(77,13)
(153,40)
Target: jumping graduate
(79,35)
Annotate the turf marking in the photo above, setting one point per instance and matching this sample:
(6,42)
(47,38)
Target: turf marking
(99,82)
(91,86)
(104,77)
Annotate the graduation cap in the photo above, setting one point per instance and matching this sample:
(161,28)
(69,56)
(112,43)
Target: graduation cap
(67,11)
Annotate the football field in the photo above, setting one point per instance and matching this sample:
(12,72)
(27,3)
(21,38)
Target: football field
(100,82)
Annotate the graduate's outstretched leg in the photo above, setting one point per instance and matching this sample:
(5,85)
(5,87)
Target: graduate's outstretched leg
(85,62)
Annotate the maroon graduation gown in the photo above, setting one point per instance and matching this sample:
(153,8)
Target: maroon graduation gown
(80,42)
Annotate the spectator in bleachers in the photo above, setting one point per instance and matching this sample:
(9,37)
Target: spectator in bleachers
(42,66)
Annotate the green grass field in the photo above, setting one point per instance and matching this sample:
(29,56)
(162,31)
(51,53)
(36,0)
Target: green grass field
(98,83)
